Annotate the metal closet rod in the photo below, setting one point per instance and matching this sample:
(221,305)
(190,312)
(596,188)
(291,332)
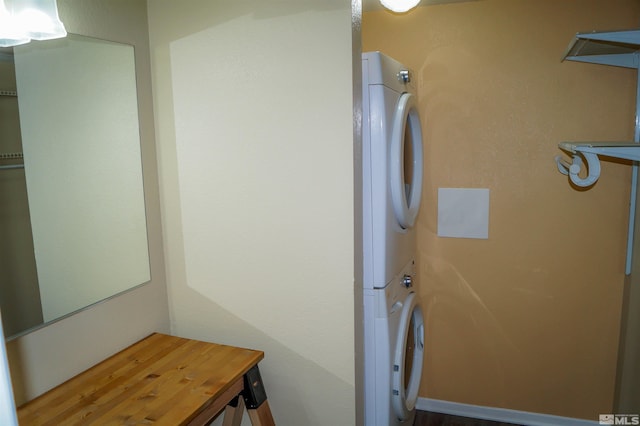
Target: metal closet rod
(12,166)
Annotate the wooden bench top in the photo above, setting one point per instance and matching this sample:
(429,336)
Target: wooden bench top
(161,380)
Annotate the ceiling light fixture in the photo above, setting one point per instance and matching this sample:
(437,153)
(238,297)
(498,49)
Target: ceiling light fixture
(399,6)
(24,20)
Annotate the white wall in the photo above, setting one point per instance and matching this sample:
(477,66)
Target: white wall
(253,106)
(47,357)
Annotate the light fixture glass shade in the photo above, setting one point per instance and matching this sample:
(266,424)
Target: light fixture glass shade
(38,18)
(10,32)
(399,6)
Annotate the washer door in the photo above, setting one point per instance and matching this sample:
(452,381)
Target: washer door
(406,161)
(407,365)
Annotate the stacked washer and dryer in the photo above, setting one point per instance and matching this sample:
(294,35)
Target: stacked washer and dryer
(392,185)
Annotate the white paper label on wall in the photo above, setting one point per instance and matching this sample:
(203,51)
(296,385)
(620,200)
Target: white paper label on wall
(463,212)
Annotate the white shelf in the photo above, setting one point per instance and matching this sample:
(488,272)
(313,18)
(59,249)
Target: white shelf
(615,48)
(626,150)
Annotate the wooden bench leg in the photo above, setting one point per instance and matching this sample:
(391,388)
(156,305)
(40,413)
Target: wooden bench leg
(233,412)
(261,416)
(255,397)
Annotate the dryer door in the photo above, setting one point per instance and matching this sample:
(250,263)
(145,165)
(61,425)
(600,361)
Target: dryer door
(407,364)
(406,161)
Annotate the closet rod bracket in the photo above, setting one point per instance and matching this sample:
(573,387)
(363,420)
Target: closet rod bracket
(573,169)
(591,151)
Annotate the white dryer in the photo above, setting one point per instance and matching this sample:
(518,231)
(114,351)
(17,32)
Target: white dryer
(392,186)
(392,167)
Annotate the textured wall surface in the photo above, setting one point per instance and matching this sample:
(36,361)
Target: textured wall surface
(529,318)
(254,123)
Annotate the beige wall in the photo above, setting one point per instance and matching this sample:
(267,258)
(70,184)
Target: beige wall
(47,357)
(253,106)
(528,319)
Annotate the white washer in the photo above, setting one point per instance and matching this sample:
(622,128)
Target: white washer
(394,350)
(392,167)
(392,185)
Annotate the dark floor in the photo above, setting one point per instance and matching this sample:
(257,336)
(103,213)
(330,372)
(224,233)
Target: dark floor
(427,418)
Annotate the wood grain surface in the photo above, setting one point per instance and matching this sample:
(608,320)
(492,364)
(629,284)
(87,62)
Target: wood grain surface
(161,380)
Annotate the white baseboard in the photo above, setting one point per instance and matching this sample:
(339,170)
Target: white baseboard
(499,414)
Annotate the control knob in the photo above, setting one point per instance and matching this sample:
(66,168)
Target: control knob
(407,281)
(404,76)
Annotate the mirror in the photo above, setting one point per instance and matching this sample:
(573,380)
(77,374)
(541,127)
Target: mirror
(72,214)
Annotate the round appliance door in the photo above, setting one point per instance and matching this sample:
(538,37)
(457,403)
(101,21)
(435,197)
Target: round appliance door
(409,353)
(406,161)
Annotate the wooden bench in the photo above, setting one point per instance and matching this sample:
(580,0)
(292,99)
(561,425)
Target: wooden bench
(161,380)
